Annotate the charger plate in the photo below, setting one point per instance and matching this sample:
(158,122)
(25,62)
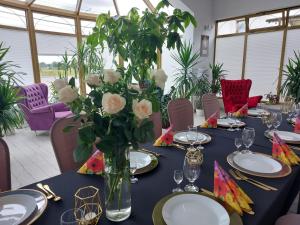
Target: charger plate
(285,170)
(288,137)
(180,137)
(157,216)
(224,123)
(257,112)
(39,197)
(145,161)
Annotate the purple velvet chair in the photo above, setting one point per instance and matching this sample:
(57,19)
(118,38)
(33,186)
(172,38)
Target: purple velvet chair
(39,114)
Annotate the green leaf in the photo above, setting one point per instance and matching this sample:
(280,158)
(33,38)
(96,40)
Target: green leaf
(82,152)
(86,134)
(72,82)
(68,128)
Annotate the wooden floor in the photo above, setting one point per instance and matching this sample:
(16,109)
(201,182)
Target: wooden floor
(32,157)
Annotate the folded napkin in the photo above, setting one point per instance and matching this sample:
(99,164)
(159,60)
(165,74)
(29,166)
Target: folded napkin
(297,125)
(211,122)
(227,190)
(165,139)
(242,112)
(283,152)
(94,165)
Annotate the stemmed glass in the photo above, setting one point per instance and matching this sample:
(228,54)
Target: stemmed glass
(248,136)
(277,119)
(178,178)
(191,135)
(133,168)
(230,121)
(68,217)
(238,142)
(191,169)
(269,122)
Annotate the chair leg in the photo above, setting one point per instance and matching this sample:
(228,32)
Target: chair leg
(298,210)
(35,133)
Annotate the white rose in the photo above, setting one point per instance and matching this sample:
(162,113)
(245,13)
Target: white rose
(160,77)
(67,94)
(113,103)
(111,76)
(93,80)
(135,87)
(59,84)
(142,109)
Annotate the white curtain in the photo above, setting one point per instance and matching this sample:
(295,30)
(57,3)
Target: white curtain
(19,52)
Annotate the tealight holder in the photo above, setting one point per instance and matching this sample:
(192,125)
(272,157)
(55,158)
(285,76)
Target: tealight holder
(87,200)
(194,156)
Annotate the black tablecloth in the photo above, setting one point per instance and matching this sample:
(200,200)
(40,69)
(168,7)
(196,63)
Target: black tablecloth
(154,185)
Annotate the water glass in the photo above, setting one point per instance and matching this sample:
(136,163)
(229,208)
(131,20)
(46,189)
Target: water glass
(133,168)
(178,178)
(192,135)
(238,142)
(230,120)
(269,122)
(191,170)
(248,136)
(277,119)
(68,217)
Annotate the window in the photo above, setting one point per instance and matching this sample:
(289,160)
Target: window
(60,4)
(265,21)
(231,27)
(125,6)
(53,23)
(294,17)
(98,6)
(12,17)
(87,26)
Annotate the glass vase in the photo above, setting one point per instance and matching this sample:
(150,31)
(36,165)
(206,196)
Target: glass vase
(117,185)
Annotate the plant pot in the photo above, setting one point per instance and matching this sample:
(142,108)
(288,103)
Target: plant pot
(117,185)
(199,112)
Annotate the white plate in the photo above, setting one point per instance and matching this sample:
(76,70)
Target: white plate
(257,112)
(193,209)
(235,123)
(286,135)
(181,136)
(257,163)
(15,209)
(141,159)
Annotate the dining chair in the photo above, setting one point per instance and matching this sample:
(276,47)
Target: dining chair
(157,123)
(210,105)
(5,177)
(181,114)
(289,219)
(64,142)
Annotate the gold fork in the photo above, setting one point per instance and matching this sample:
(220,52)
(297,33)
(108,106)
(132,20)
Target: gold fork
(249,181)
(258,182)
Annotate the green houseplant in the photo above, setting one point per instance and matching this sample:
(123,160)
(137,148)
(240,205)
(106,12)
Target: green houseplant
(10,115)
(202,86)
(291,85)
(217,73)
(136,38)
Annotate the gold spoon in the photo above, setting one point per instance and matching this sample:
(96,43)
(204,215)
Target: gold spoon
(56,197)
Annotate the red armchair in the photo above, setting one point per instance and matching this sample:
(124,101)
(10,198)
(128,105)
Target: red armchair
(235,93)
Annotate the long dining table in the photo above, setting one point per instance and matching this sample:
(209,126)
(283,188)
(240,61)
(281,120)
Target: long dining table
(154,185)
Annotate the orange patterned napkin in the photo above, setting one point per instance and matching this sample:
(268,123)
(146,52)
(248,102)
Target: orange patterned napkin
(297,125)
(211,122)
(165,139)
(242,112)
(283,152)
(227,189)
(94,165)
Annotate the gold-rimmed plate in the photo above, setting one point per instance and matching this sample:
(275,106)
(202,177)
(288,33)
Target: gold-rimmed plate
(225,122)
(158,219)
(202,138)
(145,161)
(279,170)
(287,136)
(258,112)
(39,197)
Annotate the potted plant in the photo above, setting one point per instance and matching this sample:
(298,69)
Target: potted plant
(10,115)
(291,85)
(202,86)
(217,73)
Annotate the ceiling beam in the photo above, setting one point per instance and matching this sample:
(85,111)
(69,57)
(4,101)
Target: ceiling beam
(149,4)
(117,7)
(78,6)
(14,4)
(30,2)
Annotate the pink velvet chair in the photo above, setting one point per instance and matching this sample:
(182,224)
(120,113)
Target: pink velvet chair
(39,114)
(5,177)
(210,105)
(157,123)
(181,114)
(289,219)
(64,143)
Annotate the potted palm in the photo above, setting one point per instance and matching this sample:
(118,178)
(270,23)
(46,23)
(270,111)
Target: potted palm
(291,85)
(217,73)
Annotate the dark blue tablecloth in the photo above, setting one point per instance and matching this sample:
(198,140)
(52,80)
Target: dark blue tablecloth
(154,185)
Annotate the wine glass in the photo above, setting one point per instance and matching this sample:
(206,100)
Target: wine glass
(269,122)
(277,119)
(230,121)
(68,217)
(178,178)
(248,136)
(191,135)
(191,170)
(238,142)
(133,168)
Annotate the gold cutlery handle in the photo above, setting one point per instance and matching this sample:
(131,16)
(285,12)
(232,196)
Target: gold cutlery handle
(257,185)
(40,186)
(267,186)
(49,190)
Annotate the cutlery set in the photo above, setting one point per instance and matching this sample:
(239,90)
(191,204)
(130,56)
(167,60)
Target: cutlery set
(49,193)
